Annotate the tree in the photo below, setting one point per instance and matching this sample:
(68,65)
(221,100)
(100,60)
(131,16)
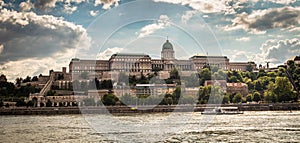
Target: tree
(3,78)
(51,93)
(27,79)
(249,67)
(30,104)
(19,81)
(48,103)
(283,90)
(176,94)
(249,98)
(35,78)
(174,74)
(237,98)
(1,103)
(205,74)
(226,99)
(109,99)
(20,102)
(256,97)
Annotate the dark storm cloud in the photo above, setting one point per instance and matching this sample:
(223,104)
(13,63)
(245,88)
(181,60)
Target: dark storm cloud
(44,4)
(262,20)
(27,35)
(282,18)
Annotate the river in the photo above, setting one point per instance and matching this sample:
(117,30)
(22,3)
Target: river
(264,126)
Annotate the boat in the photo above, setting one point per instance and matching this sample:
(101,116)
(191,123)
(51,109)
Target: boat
(222,111)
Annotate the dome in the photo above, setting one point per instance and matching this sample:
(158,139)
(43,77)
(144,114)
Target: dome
(167,45)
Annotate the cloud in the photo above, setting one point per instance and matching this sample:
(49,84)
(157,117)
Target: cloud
(162,22)
(26,6)
(106,3)
(45,4)
(286,2)
(35,66)
(258,22)
(27,35)
(209,6)
(94,13)
(187,16)
(68,5)
(243,39)
(106,54)
(239,56)
(278,51)
(69,9)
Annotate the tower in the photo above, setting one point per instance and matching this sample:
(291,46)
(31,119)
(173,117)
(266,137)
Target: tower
(167,52)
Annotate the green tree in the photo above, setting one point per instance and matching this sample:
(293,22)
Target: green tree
(283,90)
(249,98)
(237,98)
(226,99)
(205,74)
(174,74)
(27,79)
(30,104)
(109,99)
(256,97)
(18,81)
(20,102)
(249,67)
(48,103)
(35,78)
(176,94)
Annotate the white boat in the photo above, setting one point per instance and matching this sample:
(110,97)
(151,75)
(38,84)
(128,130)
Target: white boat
(222,111)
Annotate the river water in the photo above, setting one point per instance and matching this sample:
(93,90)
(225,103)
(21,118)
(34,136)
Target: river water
(264,126)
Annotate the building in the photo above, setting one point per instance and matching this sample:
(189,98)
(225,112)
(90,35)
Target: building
(154,89)
(233,88)
(143,63)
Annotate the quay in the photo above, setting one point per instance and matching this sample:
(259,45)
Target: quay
(142,109)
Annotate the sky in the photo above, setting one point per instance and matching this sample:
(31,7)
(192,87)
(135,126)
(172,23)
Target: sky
(39,35)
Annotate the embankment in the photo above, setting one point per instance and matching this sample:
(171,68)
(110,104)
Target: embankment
(144,109)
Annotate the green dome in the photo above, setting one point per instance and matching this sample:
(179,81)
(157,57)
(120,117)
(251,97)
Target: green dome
(168,45)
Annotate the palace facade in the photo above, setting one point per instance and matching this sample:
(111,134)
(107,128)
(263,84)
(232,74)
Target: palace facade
(143,63)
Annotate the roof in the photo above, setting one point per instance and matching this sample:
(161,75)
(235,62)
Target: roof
(167,45)
(208,57)
(297,58)
(130,54)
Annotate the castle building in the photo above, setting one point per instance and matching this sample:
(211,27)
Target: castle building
(143,63)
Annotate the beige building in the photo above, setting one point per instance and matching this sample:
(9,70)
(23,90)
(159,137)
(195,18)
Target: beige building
(237,88)
(154,89)
(143,63)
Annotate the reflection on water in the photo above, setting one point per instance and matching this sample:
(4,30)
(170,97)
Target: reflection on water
(270,126)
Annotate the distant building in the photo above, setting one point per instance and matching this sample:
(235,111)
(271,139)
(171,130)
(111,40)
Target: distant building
(232,88)
(154,89)
(297,60)
(134,64)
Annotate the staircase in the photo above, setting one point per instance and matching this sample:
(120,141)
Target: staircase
(47,86)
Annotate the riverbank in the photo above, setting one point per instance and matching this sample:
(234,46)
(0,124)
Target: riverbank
(143,109)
